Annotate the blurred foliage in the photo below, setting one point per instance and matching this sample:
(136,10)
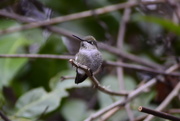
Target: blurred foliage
(32,89)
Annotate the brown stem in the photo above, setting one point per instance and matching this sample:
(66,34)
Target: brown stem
(36,56)
(4,117)
(76,16)
(158,114)
(129,56)
(139,68)
(166,101)
(173,111)
(95,81)
(120,43)
(67,77)
(130,97)
(69,34)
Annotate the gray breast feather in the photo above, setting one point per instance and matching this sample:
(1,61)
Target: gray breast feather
(91,59)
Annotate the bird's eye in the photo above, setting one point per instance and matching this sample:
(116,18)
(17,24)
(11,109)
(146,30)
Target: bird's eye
(91,42)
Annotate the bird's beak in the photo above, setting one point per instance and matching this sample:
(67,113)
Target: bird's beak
(78,37)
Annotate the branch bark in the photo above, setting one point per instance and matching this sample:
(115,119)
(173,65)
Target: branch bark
(130,97)
(168,99)
(76,16)
(95,81)
(103,46)
(158,113)
(65,57)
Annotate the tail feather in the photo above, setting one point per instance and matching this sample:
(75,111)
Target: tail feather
(80,78)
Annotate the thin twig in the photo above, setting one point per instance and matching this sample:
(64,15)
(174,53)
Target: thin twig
(106,116)
(158,114)
(24,19)
(65,57)
(99,21)
(130,97)
(74,16)
(4,117)
(140,118)
(95,81)
(103,46)
(139,68)
(168,99)
(129,56)
(67,77)
(173,111)
(120,43)
(130,66)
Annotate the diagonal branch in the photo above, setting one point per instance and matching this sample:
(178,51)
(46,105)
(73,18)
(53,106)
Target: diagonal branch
(140,68)
(168,99)
(103,46)
(158,113)
(95,81)
(74,16)
(4,117)
(129,56)
(130,97)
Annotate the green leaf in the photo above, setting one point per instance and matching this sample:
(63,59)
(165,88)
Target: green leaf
(10,44)
(167,24)
(74,110)
(38,101)
(35,102)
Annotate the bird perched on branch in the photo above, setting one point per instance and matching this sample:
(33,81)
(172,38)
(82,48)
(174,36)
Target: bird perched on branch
(88,55)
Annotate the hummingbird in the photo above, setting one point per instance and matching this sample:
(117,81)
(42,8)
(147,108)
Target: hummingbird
(88,55)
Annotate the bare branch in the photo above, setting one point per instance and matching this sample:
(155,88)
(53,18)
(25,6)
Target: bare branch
(101,45)
(67,77)
(173,111)
(129,56)
(168,99)
(110,113)
(120,43)
(130,97)
(48,56)
(4,117)
(95,81)
(158,114)
(139,68)
(76,16)
(64,57)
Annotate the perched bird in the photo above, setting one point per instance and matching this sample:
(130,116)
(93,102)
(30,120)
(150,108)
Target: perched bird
(88,55)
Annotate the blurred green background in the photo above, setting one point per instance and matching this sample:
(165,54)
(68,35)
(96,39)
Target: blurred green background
(31,89)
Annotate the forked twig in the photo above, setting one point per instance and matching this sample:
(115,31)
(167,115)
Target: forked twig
(95,81)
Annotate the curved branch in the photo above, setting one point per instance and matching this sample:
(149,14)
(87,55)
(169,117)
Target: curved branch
(130,97)
(103,46)
(95,81)
(74,16)
(140,68)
